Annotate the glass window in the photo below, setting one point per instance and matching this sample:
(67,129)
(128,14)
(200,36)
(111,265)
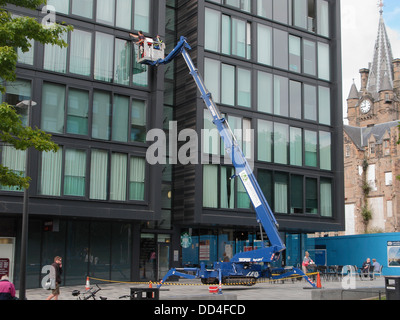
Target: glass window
(228,84)
(310,102)
(244,88)
(324,105)
(295,99)
(280,10)
(212,30)
(51,173)
(309,57)
(100,249)
(142,15)
(296,194)
(101,115)
(75,173)
(104,55)
(264,8)
(124,14)
(310,148)
(281,142)
(311,196)
(27,57)
(61,6)
(323,61)
(265,180)
(210,185)
(235,124)
(242,5)
(140,71)
(99,175)
(325,150)
(323,18)
(137,179)
(16,92)
(138,121)
(55,57)
(105,11)
(281,49)
(120,119)
(248,138)
(121,248)
(14,160)
(281,192)
(227,35)
(227,195)
(211,137)
(239,37)
(296,147)
(265,132)
(53,108)
(80,52)
(281,96)
(78,112)
(294,53)
(212,77)
(243,199)
(119,166)
(83,8)
(264,44)
(300,13)
(264,92)
(326,198)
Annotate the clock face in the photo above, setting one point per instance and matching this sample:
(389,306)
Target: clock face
(365,106)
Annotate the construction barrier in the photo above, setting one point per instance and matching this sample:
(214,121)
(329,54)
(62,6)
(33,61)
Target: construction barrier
(260,280)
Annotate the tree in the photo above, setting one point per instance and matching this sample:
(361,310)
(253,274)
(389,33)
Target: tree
(16,32)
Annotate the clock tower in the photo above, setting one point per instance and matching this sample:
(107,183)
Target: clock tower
(377,101)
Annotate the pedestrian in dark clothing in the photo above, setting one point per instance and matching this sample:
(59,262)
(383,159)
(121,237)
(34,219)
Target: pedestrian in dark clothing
(56,278)
(7,289)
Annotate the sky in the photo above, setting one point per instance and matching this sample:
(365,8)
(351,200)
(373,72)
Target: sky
(360,20)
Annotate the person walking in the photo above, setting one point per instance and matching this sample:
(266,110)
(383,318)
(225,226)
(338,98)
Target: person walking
(56,278)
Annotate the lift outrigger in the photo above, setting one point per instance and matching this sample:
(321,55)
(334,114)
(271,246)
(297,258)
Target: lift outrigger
(244,267)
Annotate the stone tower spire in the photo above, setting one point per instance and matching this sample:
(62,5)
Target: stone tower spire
(381,71)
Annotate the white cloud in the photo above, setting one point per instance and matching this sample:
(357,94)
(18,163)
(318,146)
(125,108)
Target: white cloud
(360,20)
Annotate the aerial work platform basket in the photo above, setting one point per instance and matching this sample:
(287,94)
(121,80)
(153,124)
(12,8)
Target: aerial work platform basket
(150,51)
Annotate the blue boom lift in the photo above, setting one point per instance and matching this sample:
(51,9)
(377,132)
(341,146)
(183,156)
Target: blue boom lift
(244,267)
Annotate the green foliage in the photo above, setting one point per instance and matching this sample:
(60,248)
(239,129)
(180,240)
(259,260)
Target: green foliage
(16,32)
(366,213)
(366,188)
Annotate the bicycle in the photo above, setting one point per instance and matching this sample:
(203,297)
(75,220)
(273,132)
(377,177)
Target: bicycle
(91,293)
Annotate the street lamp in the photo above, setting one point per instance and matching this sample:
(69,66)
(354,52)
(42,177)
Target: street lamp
(26,104)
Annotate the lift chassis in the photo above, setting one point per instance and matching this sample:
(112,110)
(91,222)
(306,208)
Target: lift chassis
(244,267)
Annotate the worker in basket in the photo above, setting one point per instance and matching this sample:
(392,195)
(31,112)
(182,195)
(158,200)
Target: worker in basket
(140,41)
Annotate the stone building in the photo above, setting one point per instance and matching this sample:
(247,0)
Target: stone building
(371,152)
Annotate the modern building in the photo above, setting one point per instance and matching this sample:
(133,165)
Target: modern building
(273,68)
(370,144)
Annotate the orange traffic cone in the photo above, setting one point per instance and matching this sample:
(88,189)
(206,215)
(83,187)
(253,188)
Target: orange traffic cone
(150,287)
(87,287)
(319,286)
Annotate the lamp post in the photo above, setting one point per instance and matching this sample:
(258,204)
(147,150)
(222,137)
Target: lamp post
(28,104)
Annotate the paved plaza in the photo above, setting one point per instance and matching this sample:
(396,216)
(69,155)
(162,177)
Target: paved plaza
(193,290)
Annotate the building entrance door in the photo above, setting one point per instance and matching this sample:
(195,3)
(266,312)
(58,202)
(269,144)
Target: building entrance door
(163,260)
